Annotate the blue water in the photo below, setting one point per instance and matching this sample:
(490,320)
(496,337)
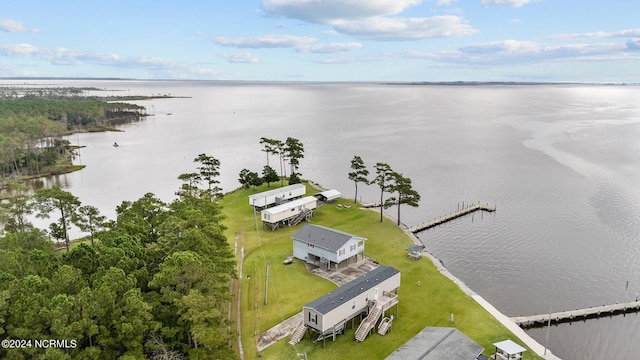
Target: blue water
(561,164)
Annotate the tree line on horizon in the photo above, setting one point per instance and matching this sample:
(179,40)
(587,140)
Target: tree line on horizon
(153,283)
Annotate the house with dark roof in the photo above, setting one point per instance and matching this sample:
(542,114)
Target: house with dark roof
(371,294)
(436,343)
(326,247)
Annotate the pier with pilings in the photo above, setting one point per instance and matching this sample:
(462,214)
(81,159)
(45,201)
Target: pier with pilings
(468,209)
(575,315)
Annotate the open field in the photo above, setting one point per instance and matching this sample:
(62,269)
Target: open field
(427,298)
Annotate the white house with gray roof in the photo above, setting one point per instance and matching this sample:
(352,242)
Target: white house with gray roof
(372,293)
(329,248)
(277,196)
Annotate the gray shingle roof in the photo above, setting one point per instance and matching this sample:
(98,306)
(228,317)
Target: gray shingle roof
(324,237)
(435,343)
(346,292)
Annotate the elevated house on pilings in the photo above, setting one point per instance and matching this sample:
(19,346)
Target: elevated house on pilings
(277,196)
(327,248)
(367,297)
(290,213)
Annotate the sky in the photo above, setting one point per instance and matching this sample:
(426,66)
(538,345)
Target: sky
(323,40)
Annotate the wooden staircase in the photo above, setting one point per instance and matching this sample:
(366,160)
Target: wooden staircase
(305,214)
(298,333)
(368,323)
(385,325)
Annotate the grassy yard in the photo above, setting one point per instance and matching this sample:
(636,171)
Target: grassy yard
(427,298)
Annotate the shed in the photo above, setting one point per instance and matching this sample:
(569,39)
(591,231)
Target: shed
(326,247)
(330,312)
(290,213)
(508,349)
(328,195)
(277,196)
(436,343)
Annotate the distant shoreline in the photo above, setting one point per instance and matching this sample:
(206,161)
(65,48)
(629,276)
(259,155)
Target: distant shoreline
(408,82)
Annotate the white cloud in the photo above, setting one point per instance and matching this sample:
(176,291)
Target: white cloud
(243,57)
(380,28)
(523,52)
(266,41)
(205,71)
(326,11)
(500,47)
(514,3)
(301,44)
(161,67)
(371,19)
(18,49)
(9,25)
(333,61)
(599,35)
(329,48)
(633,45)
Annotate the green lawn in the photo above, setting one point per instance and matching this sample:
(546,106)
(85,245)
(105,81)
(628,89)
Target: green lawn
(291,287)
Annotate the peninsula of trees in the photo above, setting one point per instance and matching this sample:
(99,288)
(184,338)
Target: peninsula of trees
(33,123)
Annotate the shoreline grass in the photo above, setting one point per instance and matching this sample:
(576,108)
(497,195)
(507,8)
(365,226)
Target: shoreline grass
(427,298)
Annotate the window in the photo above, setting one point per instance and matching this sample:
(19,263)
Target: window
(353,305)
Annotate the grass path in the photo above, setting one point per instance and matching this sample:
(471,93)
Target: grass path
(427,298)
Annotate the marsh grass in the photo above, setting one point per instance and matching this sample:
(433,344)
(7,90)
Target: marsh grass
(427,298)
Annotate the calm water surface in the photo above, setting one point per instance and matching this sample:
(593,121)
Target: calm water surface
(560,162)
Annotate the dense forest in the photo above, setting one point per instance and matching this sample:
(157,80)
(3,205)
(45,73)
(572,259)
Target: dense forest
(153,283)
(33,123)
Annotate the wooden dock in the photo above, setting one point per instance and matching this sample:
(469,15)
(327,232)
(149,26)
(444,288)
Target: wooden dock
(575,315)
(454,215)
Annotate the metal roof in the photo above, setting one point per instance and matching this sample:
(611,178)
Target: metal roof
(436,343)
(329,195)
(324,237)
(278,190)
(289,205)
(350,290)
(509,347)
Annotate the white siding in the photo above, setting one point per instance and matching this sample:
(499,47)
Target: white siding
(267,198)
(351,248)
(287,210)
(348,309)
(313,319)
